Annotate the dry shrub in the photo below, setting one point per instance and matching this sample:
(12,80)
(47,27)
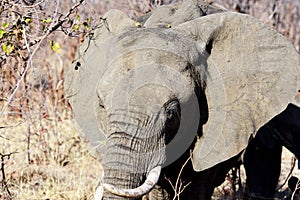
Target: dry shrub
(55,165)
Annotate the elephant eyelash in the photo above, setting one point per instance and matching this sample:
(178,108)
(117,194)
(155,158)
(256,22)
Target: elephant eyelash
(100,102)
(172,108)
(172,114)
(172,100)
(101,106)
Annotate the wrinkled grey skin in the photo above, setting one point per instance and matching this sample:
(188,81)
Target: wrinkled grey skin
(183,82)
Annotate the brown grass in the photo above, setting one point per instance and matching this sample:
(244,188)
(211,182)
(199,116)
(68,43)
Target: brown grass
(57,165)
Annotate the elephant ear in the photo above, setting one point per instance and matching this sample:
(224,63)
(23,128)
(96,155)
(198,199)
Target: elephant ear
(83,73)
(253,73)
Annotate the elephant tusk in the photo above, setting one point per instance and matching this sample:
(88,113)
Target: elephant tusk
(145,188)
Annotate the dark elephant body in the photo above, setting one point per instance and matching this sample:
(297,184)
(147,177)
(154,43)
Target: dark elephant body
(262,159)
(262,165)
(192,184)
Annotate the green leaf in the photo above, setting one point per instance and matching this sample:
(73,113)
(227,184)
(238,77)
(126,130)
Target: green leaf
(8,48)
(48,20)
(4,48)
(75,27)
(27,20)
(4,24)
(78,17)
(2,33)
(55,46)
(11,48)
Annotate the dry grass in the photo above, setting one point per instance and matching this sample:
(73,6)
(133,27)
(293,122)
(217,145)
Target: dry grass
(57,165)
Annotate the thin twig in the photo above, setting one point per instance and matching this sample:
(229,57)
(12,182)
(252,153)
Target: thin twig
(24,35)
(180,172)
(4,183)
(179,188)
(28,140)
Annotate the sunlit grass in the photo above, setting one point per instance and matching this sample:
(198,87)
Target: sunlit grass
(57,165)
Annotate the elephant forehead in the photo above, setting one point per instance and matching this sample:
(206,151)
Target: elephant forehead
(155,37)
(149,95)
(164,40)
(145,85)
(146,67)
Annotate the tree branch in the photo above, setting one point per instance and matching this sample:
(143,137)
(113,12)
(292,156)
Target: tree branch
(53,27)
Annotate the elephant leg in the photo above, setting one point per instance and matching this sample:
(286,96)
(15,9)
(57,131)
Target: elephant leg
(262,165)
(203,183)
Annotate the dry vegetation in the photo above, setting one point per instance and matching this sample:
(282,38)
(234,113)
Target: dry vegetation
(42,154)
(55,165)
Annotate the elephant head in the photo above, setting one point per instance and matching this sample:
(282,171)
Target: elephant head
(141,94)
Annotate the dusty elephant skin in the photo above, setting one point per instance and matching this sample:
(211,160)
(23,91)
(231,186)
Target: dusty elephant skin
(148,96)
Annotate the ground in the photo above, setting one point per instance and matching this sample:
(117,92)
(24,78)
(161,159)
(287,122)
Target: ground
(58,164)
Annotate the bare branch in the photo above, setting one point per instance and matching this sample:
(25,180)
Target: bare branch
(179,187)
(54,26)
(4,182)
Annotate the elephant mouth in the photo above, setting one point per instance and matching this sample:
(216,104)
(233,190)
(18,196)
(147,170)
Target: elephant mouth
(145,188)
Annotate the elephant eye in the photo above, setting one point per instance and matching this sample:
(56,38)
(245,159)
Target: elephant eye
(172,112)
(173,117)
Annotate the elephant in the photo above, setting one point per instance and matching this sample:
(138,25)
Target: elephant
(293,184)
(169,104)
(262,157)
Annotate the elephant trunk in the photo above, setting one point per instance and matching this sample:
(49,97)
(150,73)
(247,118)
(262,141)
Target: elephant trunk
(123,179)
(145,188)
(130,171)
(115,180)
